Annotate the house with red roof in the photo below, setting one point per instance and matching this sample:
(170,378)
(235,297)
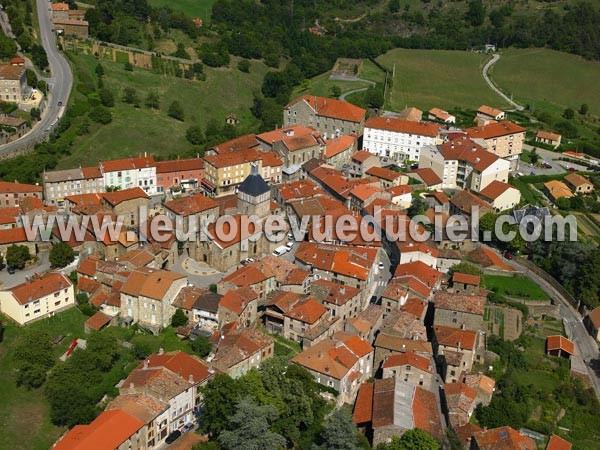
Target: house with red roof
(592,323)
(462,163)
(193,210)
(399,139)
(560,346)
(490,114)
(456,350)
(126,203)
(558,443)
(295,145)
(415,369)
(462,311)
(465,283)
(391,406)
(503,139)
(343,301)
(238,305)
(427,176)
(306,315)
(185,173)
(342,363)
(130,173)
(502,196)
(361,161)
(13,193)
(504,438)
(331,117)
(338,150)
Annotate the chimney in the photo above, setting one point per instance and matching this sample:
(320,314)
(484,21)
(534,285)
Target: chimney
(145,364)
(161,351)
(131,385)
(191,379)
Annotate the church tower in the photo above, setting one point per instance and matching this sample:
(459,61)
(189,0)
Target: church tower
(254,195)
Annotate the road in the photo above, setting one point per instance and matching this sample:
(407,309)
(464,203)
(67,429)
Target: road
(59,84)
(353,91)
(585,345)
(551,157)
(492,86)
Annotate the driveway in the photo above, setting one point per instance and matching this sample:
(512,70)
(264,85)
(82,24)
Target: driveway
(59,84)
(20,276)
(551,157)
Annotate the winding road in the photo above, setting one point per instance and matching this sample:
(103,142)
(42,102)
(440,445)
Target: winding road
(353,91)
(493,87)
(59,84)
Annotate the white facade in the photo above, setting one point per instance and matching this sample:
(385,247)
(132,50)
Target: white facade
(144,178)
(397,145)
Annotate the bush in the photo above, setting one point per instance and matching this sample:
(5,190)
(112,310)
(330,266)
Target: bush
(244,66)
(101,115)
(61,255)
(176,111)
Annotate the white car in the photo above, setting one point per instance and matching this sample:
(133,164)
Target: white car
(187,427)
(280,250)
(381,266)
(290,244)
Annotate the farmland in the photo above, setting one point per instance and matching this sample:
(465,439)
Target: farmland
(516,287)
(437,78)
(135,130)
(548,79)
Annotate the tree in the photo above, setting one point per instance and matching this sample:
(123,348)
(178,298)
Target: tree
(584,109)
(17,256)
(464,267)
(38,56)
(250,428)
(107,98)
(153,100)
(99,70)
(244,66)
(179,319)
(414,439)
(61,255)
(195,135)
(534,157)
(100,114)
(394,6)
(32,357)
(8,48)
(35,114)
(339,432)
(569,113)
(220,396)
(130,96)
(475,13)
(128,66)
(201,346)
(336,91)
(176,111)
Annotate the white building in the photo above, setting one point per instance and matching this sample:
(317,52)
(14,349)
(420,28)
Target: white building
(399,139)
(129,173)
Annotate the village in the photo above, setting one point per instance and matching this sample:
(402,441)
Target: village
(395,330)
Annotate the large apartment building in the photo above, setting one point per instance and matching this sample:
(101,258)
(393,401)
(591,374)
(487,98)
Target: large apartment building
(59,184)
(331,117)
(503,139)
(461,163)
(129,173)
(399,139)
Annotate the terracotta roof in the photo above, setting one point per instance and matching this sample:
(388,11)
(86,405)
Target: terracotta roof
(179,165)
(383,173)
(466,431)
(245,276)
(331,292)
(494,130)
(464,201)
(489,111)
(16,60)
(229,159)
(594,317)
(363,407)
(232,240)
(237,300)
(429,177)
(557,189)
(414,307)
(495,189)
(141,406)
(42,286)
(296,276)
(560,343)
(558,443)
(479,382)
(352,262)
(395,291)
(307,311)
(455,338)
(295,143)
(403,189)
(118,197)
(127,164)
(87,285)
(151,283)
(472,304)
(411,113)
(460,396)
(547,135)
(270,159)
(415,285)
(98,321)
(299,190)
(504,438)
(419,247)
(465,278)
(403,126)
(194,204)
(333,108)
(85,199)
(18,188)
(239,344)
(362,155)
(440,114)
(279,134)
(577,180)
(91,172)
(420,271)
(239,143)
(10,72)
(107,431)
(60,7)
(400,344)
(426,414)
(9,215)
(334,147)
(408,359)
(397,323)
(365,191)
(464,149)
(487,258)
(181,363)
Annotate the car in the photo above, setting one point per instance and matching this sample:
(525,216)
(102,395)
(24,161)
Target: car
(507,255)
(173,437)
(2,266)
(546,165)
(530,165)
(282,250)
(381,266)
(60,104)
(11,270)
(290,244)
(571,169)
(247,261)
(187,427)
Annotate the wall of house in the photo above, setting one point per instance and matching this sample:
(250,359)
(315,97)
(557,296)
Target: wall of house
(45,306)
(397,145)
(458,319)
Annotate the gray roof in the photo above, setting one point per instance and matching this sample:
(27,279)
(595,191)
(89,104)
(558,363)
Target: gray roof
(254,184)
(63,175)
(208,302)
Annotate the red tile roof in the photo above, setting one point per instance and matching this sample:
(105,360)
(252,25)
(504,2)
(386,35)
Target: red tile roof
(489,111)
(182,364)
(403,126)
(334,147)
(495,189)
(237,300)
(464,149)
(408,359)
(558,443)
(127,164)
(91,172)
(228,159)
(541,134)
(428,176)
(279,134)
(332,108)
(194,204)
(179,165)
(362,155)
(494,130)
(472,304)
(487,258)
(109,430)
(363,407)
(239,143)
(420,271)
(504,438)
(118,197)
(36,288)
(465,278)
(383,173)
(560,343)
(426,415)
(454,337)
(308,311)
(18,188)
(13,236)
(98,321)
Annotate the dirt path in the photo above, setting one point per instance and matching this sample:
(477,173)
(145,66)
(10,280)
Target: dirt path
(493,87)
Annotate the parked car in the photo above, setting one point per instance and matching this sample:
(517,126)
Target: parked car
(280,250)
(187,427)
(11,270)
(247,261)
(173,437)
(571,169)
(2,266)
(381,265)
(507,255)
(546,165)
(290,244)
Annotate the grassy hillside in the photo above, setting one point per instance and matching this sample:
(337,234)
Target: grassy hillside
(136,130)
(549,79)
(193,8)
(437,78)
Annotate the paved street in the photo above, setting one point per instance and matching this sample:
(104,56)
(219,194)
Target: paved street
(20,276)
(59,84)
(551,157)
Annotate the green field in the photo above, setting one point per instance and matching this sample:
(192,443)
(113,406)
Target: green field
(438,78)
(516,287)
(193,8)
(24,413)
(137,130)
(549,79)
